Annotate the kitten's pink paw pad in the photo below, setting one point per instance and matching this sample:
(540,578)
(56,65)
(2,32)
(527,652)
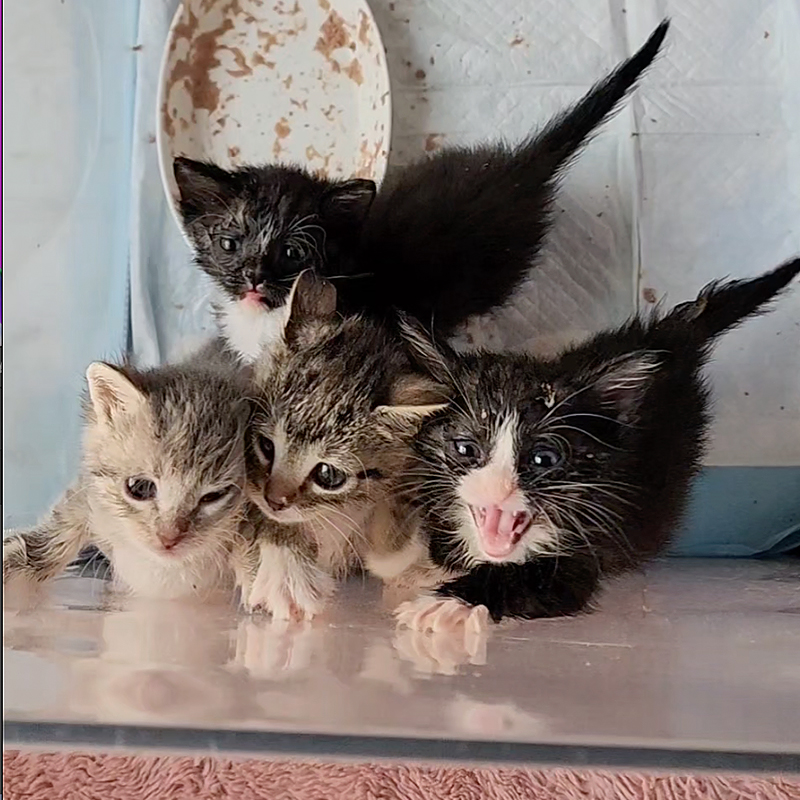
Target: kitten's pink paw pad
(444,614)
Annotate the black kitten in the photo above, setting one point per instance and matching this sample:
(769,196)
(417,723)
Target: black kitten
(545,476)
(448,238)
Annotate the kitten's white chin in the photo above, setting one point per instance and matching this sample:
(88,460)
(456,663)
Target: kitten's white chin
(191,570)
(250,327)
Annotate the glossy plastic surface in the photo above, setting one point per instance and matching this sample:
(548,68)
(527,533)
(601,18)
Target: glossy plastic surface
(696,664)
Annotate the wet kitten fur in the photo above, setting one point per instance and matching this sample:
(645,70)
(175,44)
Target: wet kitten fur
(339,392)
(445,239)
(595,450)
(180,427)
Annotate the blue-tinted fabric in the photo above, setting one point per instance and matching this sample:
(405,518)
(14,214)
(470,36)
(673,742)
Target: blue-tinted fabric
(742,511)
(67,121)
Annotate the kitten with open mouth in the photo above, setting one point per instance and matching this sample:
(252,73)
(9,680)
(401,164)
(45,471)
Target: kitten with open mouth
(445,239)
(544,477)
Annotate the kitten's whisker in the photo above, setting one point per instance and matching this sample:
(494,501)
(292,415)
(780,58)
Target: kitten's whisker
(594,416)
(586,433)
(608,528)
(576,528)
(355,527)
(348,542)
(600,488)
(353,277)
(558,405)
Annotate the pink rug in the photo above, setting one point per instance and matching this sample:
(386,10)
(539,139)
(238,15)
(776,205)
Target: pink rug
(80,776)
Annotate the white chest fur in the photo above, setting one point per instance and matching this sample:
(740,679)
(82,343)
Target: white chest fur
(250,329)
(151,576)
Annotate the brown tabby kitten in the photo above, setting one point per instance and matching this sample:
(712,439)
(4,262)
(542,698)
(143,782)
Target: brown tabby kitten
(337,404)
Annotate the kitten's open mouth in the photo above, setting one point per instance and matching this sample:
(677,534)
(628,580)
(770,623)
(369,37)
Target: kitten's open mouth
(500,530)
(267,296)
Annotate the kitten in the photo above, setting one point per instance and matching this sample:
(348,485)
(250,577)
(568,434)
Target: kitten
(545,476)
(336,408)
(161,486)
(446,239)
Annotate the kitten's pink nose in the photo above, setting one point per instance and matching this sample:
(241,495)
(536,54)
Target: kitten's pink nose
(170,538)
(280,492)
(276,503)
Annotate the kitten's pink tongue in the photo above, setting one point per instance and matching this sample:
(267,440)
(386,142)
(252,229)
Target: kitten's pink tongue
(500,530)
(252,298)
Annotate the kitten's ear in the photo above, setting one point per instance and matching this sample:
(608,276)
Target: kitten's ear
(312,303)
(201,185)
(414,398)
(407,419)
(111,392)
(348,203)
(622,383)
(426,354)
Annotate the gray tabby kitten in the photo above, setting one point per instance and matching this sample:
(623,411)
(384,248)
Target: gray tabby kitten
(338,402)
(161,485)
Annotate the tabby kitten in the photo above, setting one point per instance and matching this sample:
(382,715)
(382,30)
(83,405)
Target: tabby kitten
(447,238)
(161,485)
(336,407)
(545,476)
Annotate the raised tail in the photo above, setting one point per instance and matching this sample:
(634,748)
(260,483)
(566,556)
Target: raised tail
(723,305)
(454,235)
(555,146)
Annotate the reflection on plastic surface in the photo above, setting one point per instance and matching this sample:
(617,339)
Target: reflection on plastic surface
(693,654)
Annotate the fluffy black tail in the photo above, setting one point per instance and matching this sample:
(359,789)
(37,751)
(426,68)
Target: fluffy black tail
(454,235)
(555,146)
(723,305)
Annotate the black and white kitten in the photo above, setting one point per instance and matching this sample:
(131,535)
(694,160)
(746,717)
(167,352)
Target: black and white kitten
(545,476)
(445,239)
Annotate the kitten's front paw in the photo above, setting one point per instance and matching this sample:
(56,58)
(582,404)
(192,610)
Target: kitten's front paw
(432,613)
(281,605)
(21,589)
(287,587)
(15,557)
(443,634)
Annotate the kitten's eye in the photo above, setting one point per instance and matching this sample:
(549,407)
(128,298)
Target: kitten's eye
(228,244)
(266,448)
(140,489)
(326,476)
(212,497)
(467,450)
(546,458)
(292,253)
